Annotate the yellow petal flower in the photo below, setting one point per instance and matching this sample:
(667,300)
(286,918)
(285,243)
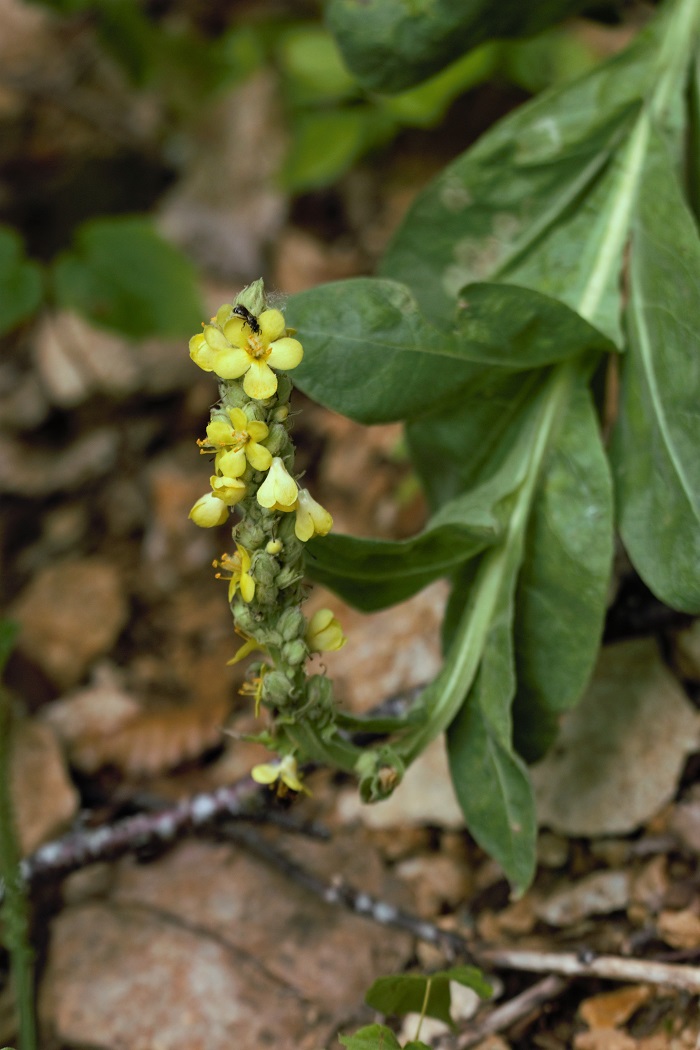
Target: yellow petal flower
(209,511)
(312,519)
(230,490)
(278,487)
(201,353)
(238,568)
(324,633)
(284,772)
(231,347)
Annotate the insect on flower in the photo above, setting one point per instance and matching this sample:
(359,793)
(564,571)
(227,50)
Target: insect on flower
(248,318)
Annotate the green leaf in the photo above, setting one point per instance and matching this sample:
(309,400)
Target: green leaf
(311,61)
(371,354)
(494,791)
(373,574)
(564,579)
(9,631)
(390,45)
(656,448)
(325,143)
(423,106)
(20,281)
(121,274)
(533,201)
(373,1037)
(405,993)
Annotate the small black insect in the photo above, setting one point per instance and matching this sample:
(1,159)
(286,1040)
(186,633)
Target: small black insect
(248,318)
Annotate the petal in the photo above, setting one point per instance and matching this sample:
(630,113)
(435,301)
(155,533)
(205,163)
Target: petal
(259,457)
(260,381)
(232,363)
(233,330)
(223,314)
(244,557)
(231,463)
(219,433)
(285,353)
(303,526)
(230,490)
(257,430)
(271,325)
(201,353)
(215,338)
(285,487)
(267,773)
(239,420)
(247,587)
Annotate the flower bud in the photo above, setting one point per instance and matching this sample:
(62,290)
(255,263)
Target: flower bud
(294,653)
(279,487)
(276,688)
(311,518)
(291,624)
(230,490)
(209,511)
(324,633)
(274,547)
(277,440)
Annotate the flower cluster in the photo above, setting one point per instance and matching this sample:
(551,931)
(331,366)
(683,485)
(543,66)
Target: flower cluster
(250,349)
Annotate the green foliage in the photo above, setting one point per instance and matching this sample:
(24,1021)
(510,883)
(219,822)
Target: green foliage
(391,45)
(121,274)
(429,994)
(20,282)
(563,235)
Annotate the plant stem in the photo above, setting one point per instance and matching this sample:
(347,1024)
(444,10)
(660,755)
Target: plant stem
(15,911)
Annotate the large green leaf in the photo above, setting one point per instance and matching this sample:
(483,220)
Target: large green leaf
(371,1037)
(390,45)
(20,281)
(123,275)
(656,450)
(371,354)
(491,782)
(536,201)
(373,574)
(563,582)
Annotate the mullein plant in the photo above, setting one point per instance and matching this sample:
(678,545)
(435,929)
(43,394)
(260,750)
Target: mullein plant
(249,348)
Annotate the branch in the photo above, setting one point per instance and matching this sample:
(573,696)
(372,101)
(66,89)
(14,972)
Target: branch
(509,1013)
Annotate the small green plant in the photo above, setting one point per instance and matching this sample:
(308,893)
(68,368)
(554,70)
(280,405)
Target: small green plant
(425,995)
(14,912)
(560,251)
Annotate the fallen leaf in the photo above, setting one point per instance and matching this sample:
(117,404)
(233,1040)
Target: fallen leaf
(680,929)
(613,1009)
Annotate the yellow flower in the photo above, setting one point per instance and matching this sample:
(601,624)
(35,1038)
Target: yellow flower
(236,440)
(279,489)
(229,490)
(284,772)
(238,567)
(209,511)
(312,518)
(324,633)
(233,349)
(255,688)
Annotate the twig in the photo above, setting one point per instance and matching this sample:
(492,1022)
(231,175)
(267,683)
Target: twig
(508,1014)
(588,964)
(567,964)
(338,892)
(241,801)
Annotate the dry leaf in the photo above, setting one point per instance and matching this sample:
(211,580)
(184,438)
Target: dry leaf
(612,1009)
(680,929)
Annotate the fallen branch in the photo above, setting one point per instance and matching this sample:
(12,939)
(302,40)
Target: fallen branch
(244,800)
(588,964)
(567,964)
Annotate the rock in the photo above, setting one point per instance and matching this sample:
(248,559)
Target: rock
(621,751)
(597,894)
(437,881)
(680,929)
(27,471)
(69,614)
(43,795)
